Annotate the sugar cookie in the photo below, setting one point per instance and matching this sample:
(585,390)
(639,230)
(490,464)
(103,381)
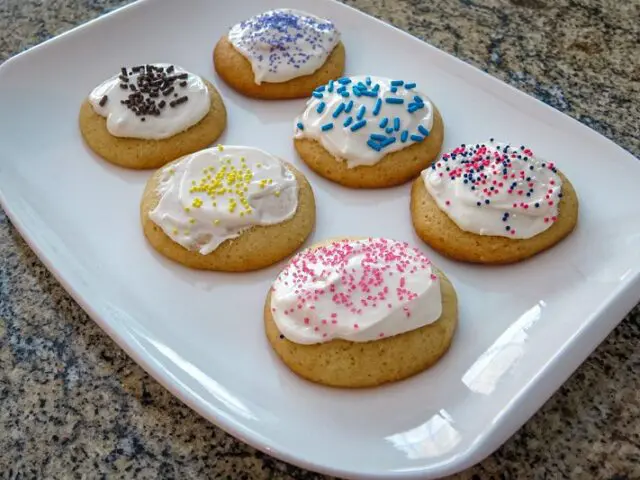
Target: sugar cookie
(151,114)
(369,132)
(360,313)
(228,209)
(280,54)
(492,203)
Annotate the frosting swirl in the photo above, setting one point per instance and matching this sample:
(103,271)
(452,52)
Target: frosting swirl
(356,290)
(361,119)
(151,101)
(215,194)
(284,44)
(496,189)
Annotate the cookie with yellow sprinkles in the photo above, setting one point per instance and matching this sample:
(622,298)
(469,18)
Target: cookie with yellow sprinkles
(227,208)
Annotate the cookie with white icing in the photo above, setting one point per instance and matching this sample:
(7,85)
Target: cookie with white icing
(149,115)
(279,54)
(228,209)
(360,312)
(493,203)
(369,132)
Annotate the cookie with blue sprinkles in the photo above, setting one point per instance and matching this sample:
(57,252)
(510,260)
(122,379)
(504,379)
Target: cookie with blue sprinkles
(369,132)
(279,54)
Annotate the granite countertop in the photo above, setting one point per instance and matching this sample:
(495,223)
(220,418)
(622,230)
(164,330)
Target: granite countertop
(72,404)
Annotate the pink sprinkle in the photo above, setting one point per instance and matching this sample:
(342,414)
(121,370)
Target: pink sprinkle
(306,321)
(355,325)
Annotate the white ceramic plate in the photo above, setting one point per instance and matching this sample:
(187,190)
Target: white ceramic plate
(523,328)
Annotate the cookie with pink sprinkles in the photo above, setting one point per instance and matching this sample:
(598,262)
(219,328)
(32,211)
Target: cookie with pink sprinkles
(360,313)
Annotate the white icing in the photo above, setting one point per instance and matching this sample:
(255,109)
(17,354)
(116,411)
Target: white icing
(284,44)
(356,290)
(123,122)
(512,173)
(198,194)
(359,147)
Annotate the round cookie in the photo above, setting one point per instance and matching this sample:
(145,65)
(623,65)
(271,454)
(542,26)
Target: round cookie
(140,153)
(389,150)
(441,233)
(256,247)
(238,72)
(349,364)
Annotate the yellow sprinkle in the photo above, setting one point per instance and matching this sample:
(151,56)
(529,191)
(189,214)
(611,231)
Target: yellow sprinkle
(220,148)
(242,214)
(187,231)
(277,193)
(172,171)
(197,203)
(175,231)
(216,222)
(269,181)
(258,165)
(192,220)
(187,209)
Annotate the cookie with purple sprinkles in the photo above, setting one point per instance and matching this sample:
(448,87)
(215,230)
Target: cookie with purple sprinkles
(280,54)
(148,115)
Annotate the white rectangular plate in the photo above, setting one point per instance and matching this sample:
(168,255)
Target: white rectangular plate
(523,328)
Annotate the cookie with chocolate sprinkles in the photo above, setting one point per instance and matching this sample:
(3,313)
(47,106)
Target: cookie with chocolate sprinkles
(149,115)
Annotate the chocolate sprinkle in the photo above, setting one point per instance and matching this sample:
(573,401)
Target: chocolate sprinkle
(150,81)
(103,101)
(180,100)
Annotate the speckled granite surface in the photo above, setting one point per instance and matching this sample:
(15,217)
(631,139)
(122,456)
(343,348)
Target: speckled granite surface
(72,404)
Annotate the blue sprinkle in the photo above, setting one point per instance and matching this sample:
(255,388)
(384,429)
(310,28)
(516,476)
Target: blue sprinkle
(357,92)
(347,122)
(394,89)
(361,85)
(397,83)
(388,141)
(423,130)
(320,89)
(317,94)
(300,126)
(417,99)
(396,124)
(409,86)
(374,145)
(413,107)
(378,137)
(358,125)
(368,80)
(417,138)
(404,135)
(345,94)
(383,122)
(377,107)
(369,93)
(327,126)
(341,89)
(344,81)
(376,88)
(394,100)
(320,108)
(389,130)
(338,110)
(330,89)
(361,112)
(349,107)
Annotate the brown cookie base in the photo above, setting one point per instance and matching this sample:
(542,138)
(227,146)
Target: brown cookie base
(440,232)
(394,169)
(256,248)
(143,154)
(236,71)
